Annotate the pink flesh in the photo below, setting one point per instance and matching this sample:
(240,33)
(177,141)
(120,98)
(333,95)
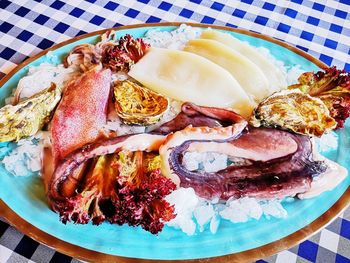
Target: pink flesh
(266,146)
(81,114)
(258,148)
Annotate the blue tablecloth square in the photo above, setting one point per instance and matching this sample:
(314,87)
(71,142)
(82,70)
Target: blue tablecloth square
(132,13)
(5,27)
(111,6)
(341,259)
(313,20)
(207,20)
(336,28)
(45,43)
(7,53)
(330,43)
(283,27)
(61,27)
(153,19)
(345,228)
(247,1)
(308,250)
(186,13)
(97,20)
(269,6)
(261,20)
(307,35)
(57,4)
(239,13)
(326,59)
(76,12)
(165,6)
(117,24)
(81,32)
(4,3)
(291,13)
(60,258)
(302,48)
(22,11)
(340,13)
(143,1)
(3,227)
(196,1)
(217,6)
(25,35)
(26,247)
(318,7)
(231,25)
(41,19)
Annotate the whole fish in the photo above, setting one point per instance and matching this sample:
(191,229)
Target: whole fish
(81,114)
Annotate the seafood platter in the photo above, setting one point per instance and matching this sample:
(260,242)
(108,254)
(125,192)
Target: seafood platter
(174,141)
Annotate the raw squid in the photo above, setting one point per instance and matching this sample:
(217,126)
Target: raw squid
(249,76)
(187,77)
(274,75)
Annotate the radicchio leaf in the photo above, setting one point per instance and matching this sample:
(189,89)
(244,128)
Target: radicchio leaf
(122,56)
(122,188)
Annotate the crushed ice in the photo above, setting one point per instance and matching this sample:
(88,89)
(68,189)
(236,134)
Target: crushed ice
(196,214)
(25,158)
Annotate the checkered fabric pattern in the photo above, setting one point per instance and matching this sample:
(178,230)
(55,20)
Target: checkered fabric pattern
(321,28)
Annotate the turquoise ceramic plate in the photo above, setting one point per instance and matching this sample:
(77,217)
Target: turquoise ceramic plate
(25,196)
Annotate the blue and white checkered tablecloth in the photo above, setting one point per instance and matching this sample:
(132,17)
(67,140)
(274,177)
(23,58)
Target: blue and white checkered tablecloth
(321,28)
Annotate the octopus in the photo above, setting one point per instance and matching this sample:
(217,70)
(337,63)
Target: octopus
(266,162)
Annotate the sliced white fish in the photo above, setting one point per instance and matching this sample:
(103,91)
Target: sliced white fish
(185,76)
(274,75)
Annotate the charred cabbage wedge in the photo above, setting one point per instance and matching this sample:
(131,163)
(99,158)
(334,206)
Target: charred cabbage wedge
(28,116)
(295,111)
(332,86)
(138,105)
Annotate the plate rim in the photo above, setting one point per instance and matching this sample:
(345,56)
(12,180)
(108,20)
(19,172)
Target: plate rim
(252,254)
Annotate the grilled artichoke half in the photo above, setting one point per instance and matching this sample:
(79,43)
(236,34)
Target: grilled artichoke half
(295,111)
(28,116)
(138,105)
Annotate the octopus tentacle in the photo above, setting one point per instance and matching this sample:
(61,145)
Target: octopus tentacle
(66,168)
